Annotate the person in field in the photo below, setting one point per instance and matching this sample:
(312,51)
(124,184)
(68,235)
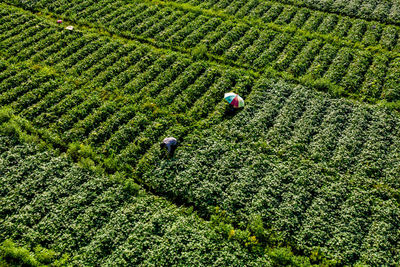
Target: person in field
(169,143)
(235,102)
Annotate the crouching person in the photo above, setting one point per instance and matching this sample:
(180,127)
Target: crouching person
(169,143)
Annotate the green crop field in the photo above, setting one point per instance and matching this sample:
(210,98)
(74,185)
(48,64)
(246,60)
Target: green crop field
(307,173)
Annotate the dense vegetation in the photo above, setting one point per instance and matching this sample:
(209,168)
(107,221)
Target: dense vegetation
(386,11)
(305,165)
(297,171)
(362,67)
(45,199)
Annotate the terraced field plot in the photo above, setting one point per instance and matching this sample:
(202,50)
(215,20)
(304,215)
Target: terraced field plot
(318,171)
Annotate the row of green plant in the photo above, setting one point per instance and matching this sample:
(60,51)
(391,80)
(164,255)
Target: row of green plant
(128,97)
(320,151)
(92,218)
(176,100)
(86,156)
(360,32)
(321,172)
(384,11)
(131,124)
(256,48)
(46,112)
(83,108)
(13,255)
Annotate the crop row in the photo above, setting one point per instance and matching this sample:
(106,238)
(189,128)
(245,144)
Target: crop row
(304,58)
(321,171)
(125,19)
(11,92)
(125,98)
(47,200)
(120,99)
(127,64)
(281,159)
(383,11)
(365,32)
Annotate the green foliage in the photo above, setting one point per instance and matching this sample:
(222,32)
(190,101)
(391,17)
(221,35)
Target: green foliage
(13,255)
(97,215)
(199,52)
(17,255)
(44,255)
(273,167)
(275,37)
(223,224)
(79,152)
(131,187)
(286,170)
(5,115)
(256,227)
(285,257)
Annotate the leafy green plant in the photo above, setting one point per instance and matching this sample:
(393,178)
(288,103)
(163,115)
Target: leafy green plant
(13,255)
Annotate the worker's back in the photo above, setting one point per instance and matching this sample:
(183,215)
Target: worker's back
(170,143)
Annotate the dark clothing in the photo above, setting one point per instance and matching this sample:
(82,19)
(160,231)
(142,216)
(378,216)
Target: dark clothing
(230,111)
(170,143)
